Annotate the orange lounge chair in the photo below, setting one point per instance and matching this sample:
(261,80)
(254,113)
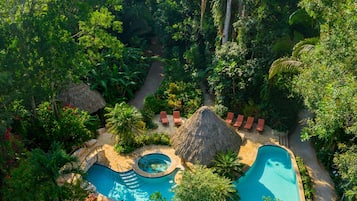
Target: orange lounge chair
(239,121)
(229,118)
(260,126)
(163,118)
(177,118)
(249,124)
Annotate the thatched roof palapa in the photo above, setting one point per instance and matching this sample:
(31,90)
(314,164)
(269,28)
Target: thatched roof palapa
(82,97)
(203,135)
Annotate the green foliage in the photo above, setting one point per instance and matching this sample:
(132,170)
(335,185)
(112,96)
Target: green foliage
(328,84)
(125,122)
(302,22)
(95,38)
(157,197)
(306,180)
(155,103)
(293,64)
(203,184)
(11,152)
(265,198)
(228,165)
(220,110)
(36,177)
(186,97)
(155,138)
(118,81)
(231,73)
(68,125)
(148,115)
(346,163)
(143,140)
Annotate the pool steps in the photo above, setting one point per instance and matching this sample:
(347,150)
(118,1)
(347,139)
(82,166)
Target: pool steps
(130,179)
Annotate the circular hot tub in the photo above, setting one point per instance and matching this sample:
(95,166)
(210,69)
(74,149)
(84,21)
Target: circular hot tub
(154,163)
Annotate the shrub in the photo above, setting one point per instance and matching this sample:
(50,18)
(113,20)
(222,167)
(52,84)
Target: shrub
(306,180)
(68,125)
(155,104)
(204,184)
(155,138)
(220,110)
(143,140)
(148,115)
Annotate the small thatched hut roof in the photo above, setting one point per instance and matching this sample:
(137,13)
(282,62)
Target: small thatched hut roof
(203,135)
(81,96)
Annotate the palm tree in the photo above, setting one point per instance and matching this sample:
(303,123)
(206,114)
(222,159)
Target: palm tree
(124,121)
(293,64)
(228,165)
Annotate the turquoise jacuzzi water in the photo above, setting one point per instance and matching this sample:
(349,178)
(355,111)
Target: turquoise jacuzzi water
(272,175)
(154,163)
(129,186)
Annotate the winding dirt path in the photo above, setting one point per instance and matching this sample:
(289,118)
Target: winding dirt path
(153,79)
(323,185)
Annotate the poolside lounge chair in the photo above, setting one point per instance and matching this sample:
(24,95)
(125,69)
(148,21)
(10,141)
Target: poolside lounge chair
(249,124)
(229,118)
(163,118)
(260,126)
(239,121)
(177,118)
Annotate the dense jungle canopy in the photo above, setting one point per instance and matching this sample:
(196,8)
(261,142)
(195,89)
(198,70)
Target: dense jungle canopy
(266,58)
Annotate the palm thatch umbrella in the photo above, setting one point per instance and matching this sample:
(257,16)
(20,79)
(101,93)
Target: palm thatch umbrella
(81,96)
(202,136)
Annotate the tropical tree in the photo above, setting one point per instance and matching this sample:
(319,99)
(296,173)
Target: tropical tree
(69,125)
(41,55)
(346,163)
(125,122)
(202,184)
(328,87)
(231,73)
(37,177)
(293,64)
(228,165)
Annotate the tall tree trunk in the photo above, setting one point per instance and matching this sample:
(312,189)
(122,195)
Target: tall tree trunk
(203,9)
(227,22)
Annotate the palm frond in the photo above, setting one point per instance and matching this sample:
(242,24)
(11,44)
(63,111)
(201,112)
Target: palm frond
(284,65)
(304,46)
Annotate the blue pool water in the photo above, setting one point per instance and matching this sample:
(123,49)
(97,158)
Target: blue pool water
(154,163)
(272,175)
(129,186)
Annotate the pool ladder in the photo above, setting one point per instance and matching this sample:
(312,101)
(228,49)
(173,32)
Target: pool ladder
(130,179)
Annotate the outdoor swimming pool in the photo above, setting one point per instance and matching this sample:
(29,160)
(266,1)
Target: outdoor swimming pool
(272,175)
(129,186)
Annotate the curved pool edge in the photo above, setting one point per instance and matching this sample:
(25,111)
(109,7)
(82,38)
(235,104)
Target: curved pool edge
(294,164)
(297,172)
(104,197)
